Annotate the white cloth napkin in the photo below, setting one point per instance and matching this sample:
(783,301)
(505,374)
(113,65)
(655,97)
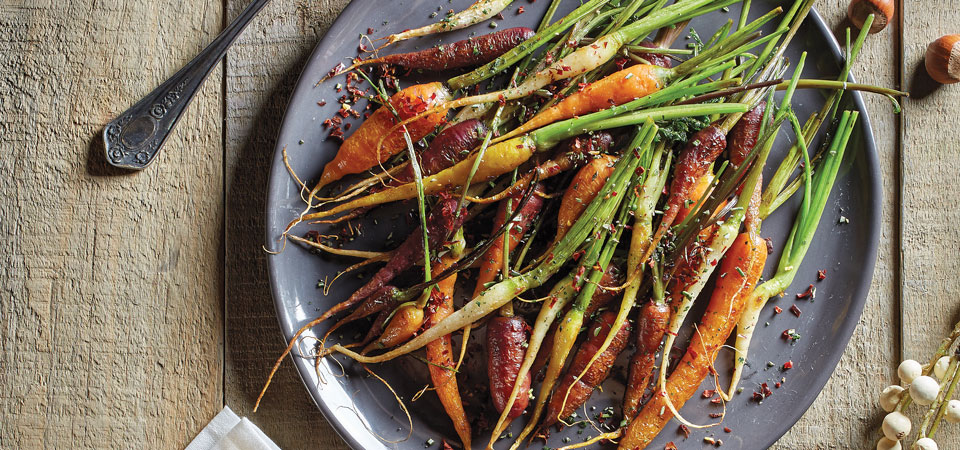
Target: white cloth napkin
(227,431)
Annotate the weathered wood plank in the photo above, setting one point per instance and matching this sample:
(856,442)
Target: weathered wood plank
(931,195)
(111,318)
(846,414)
(260,75)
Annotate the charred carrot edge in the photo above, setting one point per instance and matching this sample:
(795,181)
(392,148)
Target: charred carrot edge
(740,269)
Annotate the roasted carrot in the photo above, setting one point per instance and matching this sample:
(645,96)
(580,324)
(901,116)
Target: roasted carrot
(612,277)
(360,153)
(740,270)
(582,190)
(615,89)
(468,52)
(572,153)
(440,351)
(479,11)
(592,56)
(449,147)
(506,337)
(492,261)
(696,192)
(651,325)
(508,155)
(573,390)
(385,299)
(441,222)
(404,324)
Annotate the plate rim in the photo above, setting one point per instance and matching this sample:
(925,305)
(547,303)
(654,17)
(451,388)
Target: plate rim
(860,293)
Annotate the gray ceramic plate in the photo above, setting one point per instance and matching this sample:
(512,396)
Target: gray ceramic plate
(359,406)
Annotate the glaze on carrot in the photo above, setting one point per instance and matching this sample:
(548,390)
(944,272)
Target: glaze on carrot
(440,351)
(468,52)
(582,190)
(651,325)
(491,262)
(740,270)
(572,393)
(505,339)
(359,152)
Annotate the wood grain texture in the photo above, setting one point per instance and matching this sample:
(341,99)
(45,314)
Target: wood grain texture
(261,72)
(111,316)
(931,194)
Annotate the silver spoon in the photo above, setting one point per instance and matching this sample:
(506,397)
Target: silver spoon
(134,138)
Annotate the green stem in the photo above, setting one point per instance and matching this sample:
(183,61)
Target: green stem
(526,47)
(945,397)
(550,135)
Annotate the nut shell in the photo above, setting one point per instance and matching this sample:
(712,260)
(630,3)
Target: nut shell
(882,11)
(943,59)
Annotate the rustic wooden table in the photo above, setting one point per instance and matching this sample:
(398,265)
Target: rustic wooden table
(136,305)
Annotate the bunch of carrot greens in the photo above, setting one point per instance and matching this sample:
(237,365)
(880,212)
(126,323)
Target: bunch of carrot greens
(651,211)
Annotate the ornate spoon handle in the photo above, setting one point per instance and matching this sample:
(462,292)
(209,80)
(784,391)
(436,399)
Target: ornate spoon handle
(134,138)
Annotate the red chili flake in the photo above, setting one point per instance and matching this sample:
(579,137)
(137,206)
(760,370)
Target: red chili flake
(686,431)
(777,385)
(788,365)
(790,334)
(769,245)
(716,415)
(336,69)
(322,103)
(717,401)
(821,274)
(670,445)
(371,31)
(796,311)
(777,310)
(519,10)
(347,126)
(620,62)
(727,430)
(499,16)
(809,293)
(709,393)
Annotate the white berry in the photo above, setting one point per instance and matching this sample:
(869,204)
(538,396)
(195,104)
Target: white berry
(924,444)
(896,426)
(953,411)
(924,390)
(890,396)
(909,370)
(940,368)
(888,444)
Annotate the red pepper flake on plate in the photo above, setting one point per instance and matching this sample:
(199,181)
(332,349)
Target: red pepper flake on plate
(796,311)
(821,274)
(777,310)
(787,365)
(811,292)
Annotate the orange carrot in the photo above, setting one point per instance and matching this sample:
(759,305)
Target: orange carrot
(492,260)
(358,153)
(695,194)
(615,89)
(440,351)
(583,189)
(404,324)
(739,272)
